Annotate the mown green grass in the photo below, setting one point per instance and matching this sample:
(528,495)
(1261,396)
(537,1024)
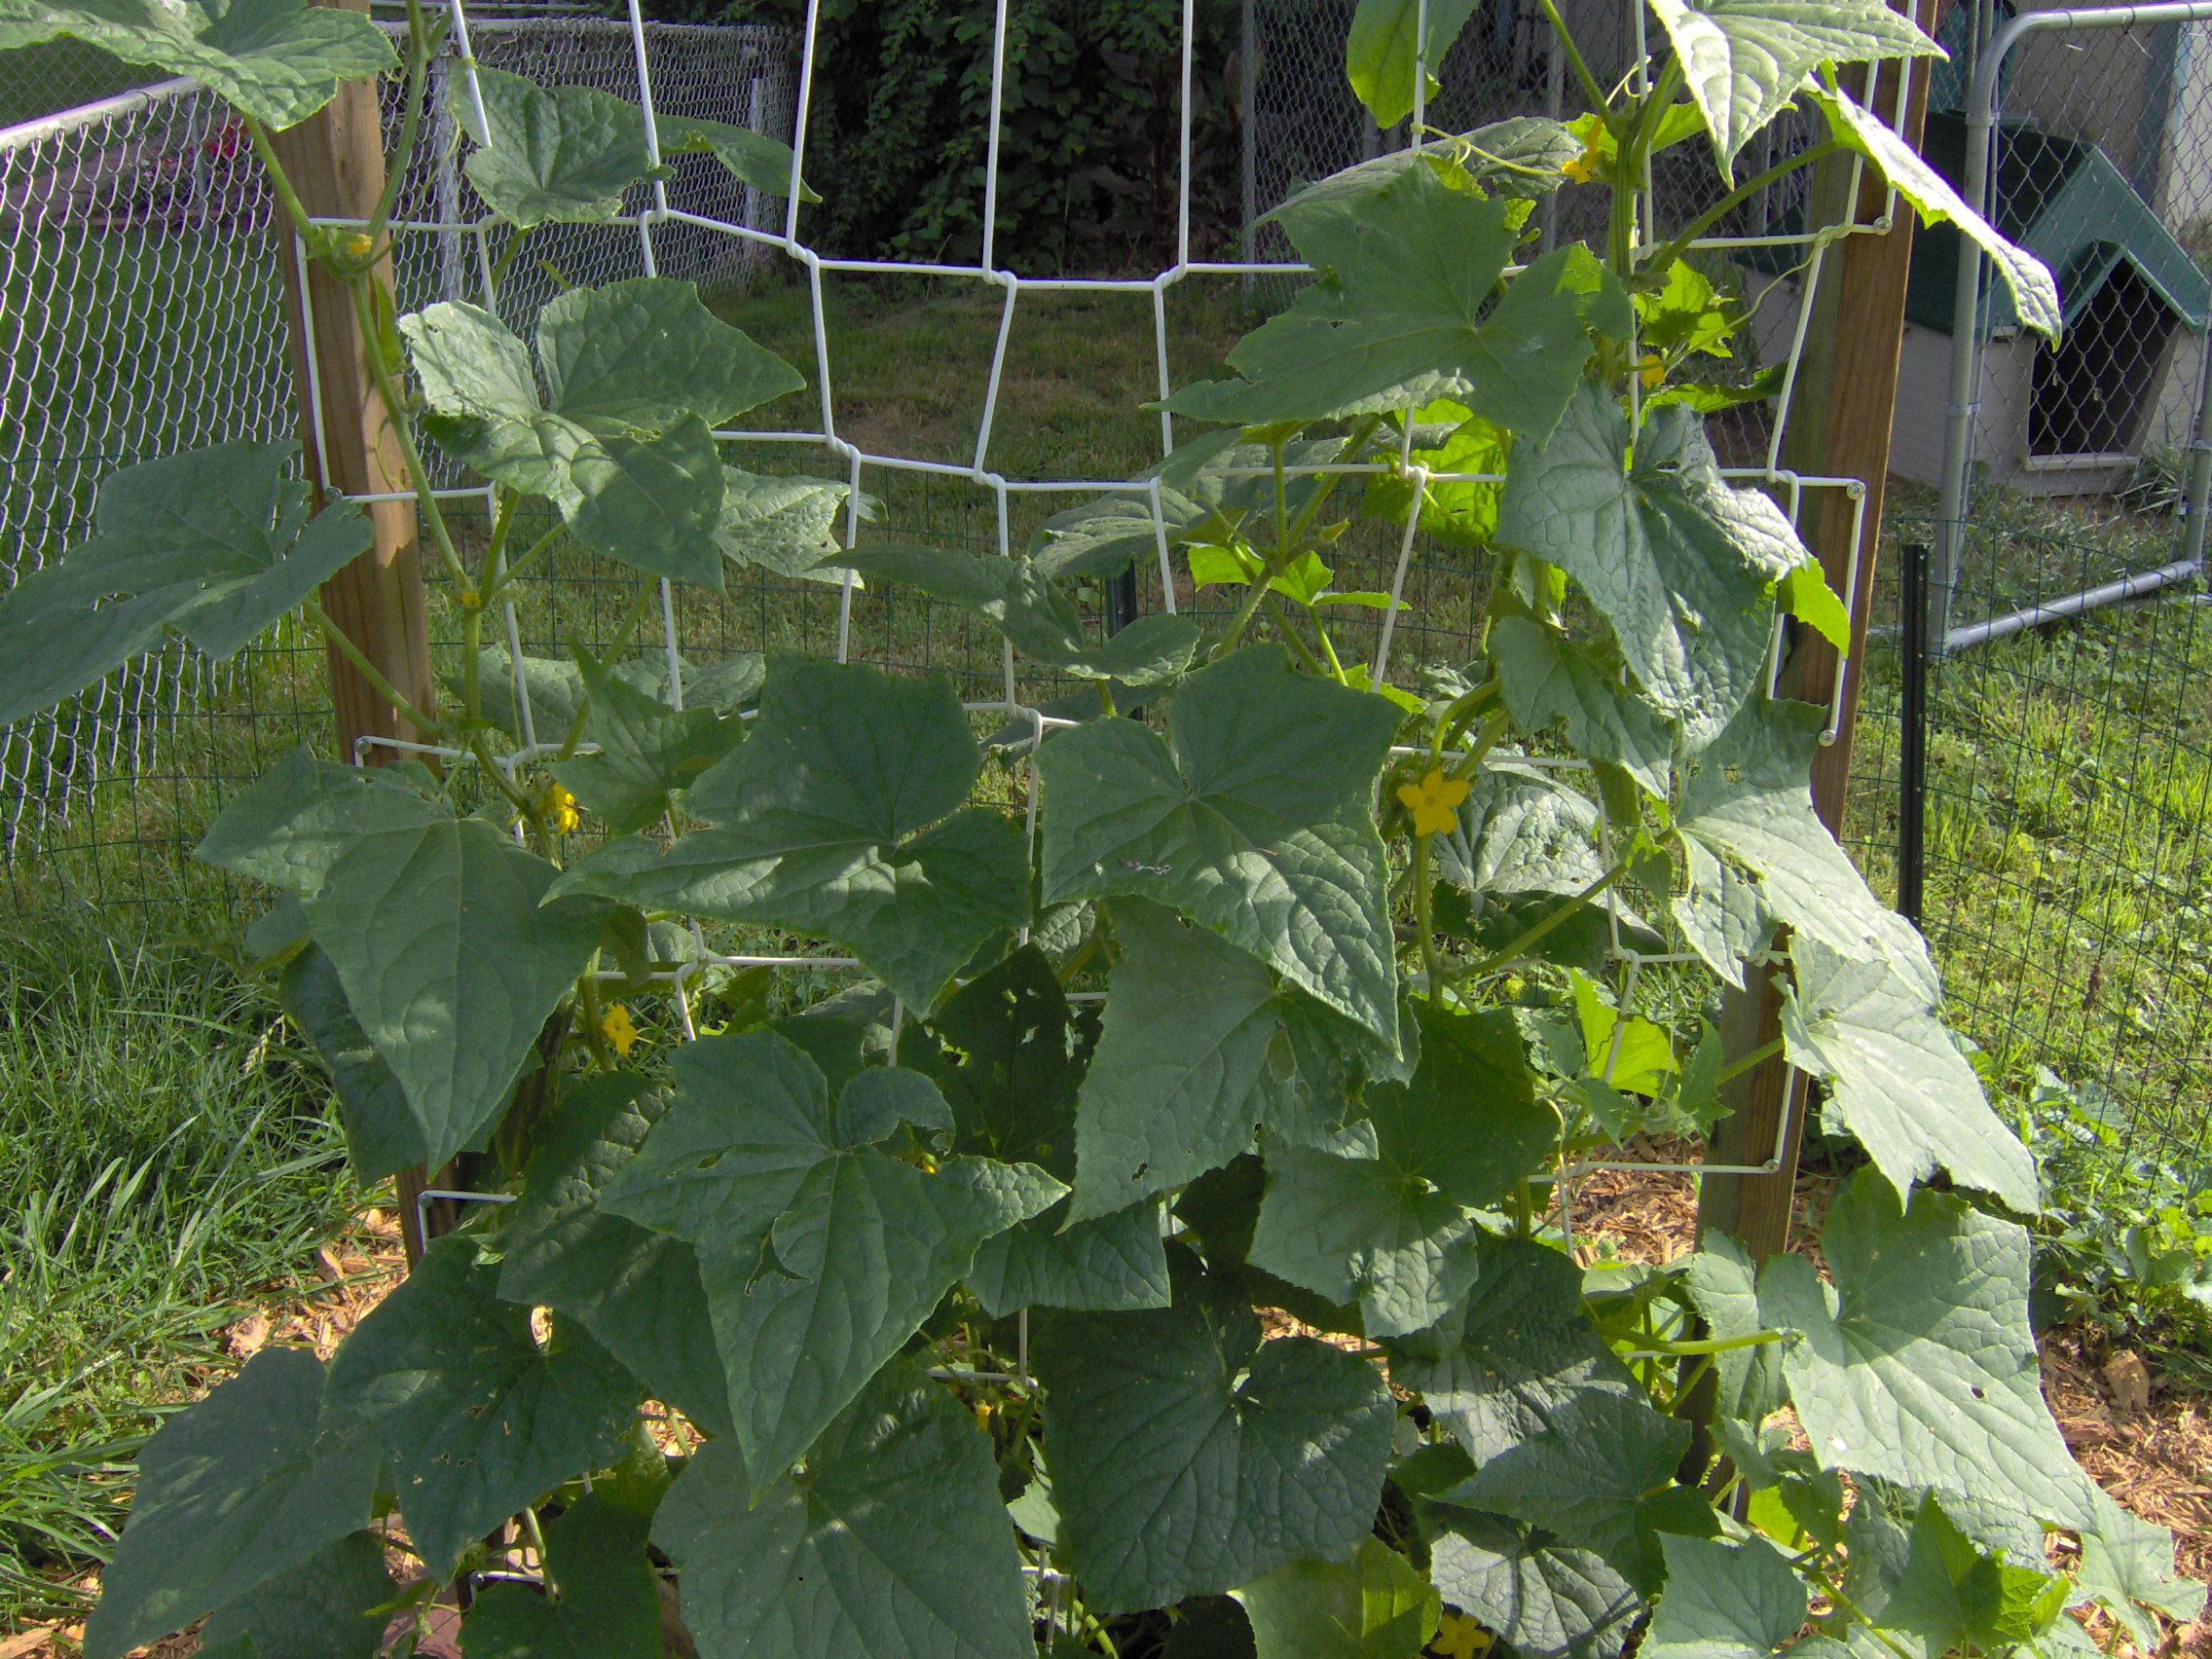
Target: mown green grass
(165,1162)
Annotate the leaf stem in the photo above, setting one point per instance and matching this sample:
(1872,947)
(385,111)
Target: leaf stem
(1423,919)
(531,555)
(1737,1068)
(594,1034)
(1277,616)
(1497,958)
(1590,87)
(369,670)
(1663,1347)
(422,40)
(277,176)
(1673,250)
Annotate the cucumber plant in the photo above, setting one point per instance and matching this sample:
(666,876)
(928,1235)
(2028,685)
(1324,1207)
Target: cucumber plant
(946,1294)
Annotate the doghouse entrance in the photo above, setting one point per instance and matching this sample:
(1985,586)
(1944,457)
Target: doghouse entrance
(2092,394)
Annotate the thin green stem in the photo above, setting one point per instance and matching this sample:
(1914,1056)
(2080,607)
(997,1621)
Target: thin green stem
(1306,514)
(1454,720)
(1519,947)
(594,1022)
(1290,634)
(395,411)
(421,45)
(536,1538)
(1595,92)
(619,643)
(1282,514)
(471,663)
(515,240)
(1673,250)
(1254,592)
(1423,918)
(1494,730)
(1106,698)
(277,176)
(531,555)
(353,654)
(1647,1344)
(1737,1068)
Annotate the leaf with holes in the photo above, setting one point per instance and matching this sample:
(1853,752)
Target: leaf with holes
(213,545)
(1917,1364)
(783,525)
(842,817)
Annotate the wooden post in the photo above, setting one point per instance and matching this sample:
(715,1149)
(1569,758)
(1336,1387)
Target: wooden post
(1840,426)
(335,161)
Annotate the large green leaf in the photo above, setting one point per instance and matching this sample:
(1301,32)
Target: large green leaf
(1252,817)
(1546,678)
(1679,562)
(1040,620)
(451,962)
(212,544)
(1181,1080)
(1546,1600)
(1393,1231)
(1517,1351)
(636,373)
(820,1255)
(1520,830)
(1725,1601)
(2128,1566)
(1748,798)
(1009,1053)
(254,1481)
(783,525)
(2034,295)
(563,155)
(606,1603)
(892,1540)
(1461,511)
(647,750)
(1917,1364)
(1372,1607)
(1189,1457)
(1411,267)
(1519,157)
(1597,1475)
(1744,60)
(1104,538)
(636,1291)
(1724,1286)
(1896,1079)
(383,1135)
(319,1609)
(1387,35)
(477,1418)
(1937,1591)
(276,60)
(842,817)
(300,816)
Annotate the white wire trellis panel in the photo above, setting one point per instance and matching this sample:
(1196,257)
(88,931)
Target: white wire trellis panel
(656,220)
(144,313)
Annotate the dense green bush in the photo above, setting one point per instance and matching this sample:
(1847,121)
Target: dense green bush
(895,139)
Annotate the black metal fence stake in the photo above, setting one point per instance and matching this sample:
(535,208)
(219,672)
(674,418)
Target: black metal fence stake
(1912,733)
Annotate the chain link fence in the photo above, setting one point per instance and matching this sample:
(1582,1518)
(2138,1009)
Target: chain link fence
(2067,729)
(144,313)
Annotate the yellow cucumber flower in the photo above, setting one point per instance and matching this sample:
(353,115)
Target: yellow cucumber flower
(359,245)
(1583,170)
(1653,371)
(1461,1637)
(616,1027)
(1433,802)
(560,810)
